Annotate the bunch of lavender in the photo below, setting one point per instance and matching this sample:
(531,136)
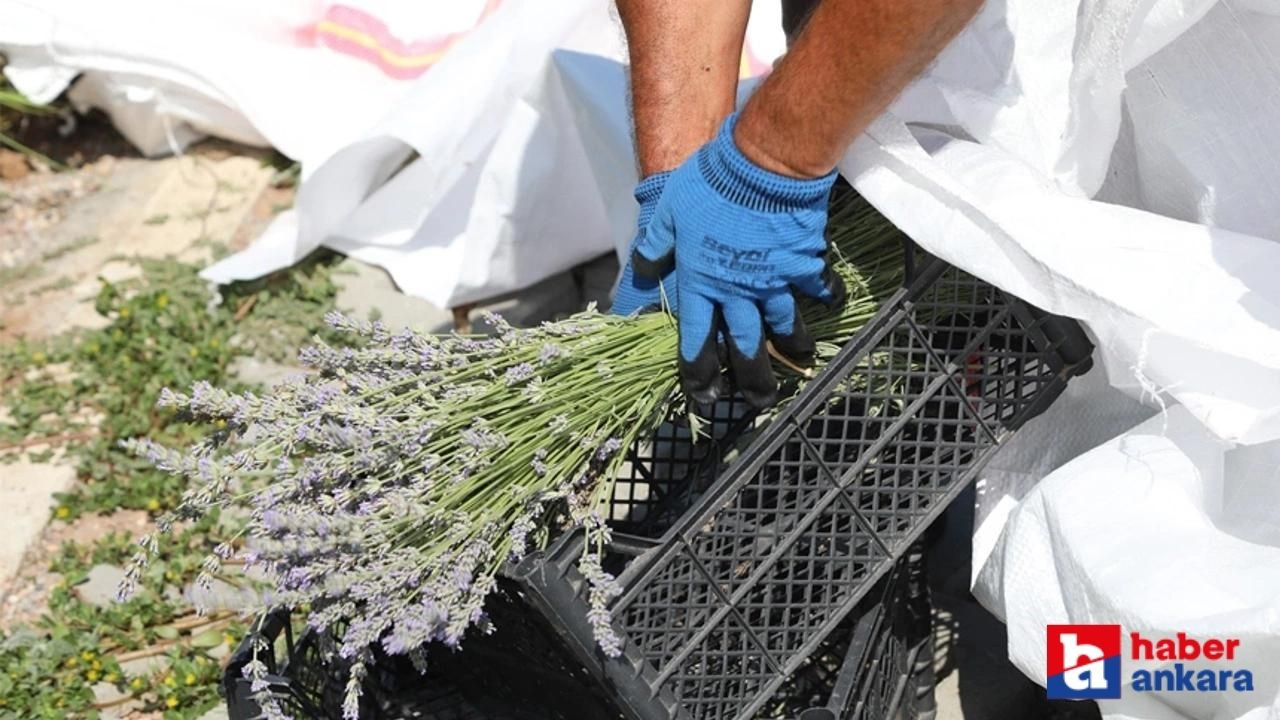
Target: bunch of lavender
(388,488)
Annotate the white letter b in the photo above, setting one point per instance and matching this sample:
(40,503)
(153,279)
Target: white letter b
(1072,653)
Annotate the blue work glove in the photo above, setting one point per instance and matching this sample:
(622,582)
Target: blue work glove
(743,239)
(639,293)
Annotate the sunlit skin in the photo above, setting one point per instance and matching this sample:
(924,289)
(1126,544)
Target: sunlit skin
(850,61)
(684,73)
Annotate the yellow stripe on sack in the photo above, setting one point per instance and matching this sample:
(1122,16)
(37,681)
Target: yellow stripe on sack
(365,40)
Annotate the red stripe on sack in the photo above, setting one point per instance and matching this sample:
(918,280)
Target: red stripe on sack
(354,32)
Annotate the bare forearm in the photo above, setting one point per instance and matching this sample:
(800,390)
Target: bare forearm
(684,73)
(850,62)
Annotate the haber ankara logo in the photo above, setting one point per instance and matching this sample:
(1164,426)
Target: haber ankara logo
(1083,662)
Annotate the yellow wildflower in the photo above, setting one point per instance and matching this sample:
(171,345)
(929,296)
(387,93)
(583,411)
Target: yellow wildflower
(63,512)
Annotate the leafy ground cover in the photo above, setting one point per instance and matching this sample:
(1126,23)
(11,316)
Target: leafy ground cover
(77,396)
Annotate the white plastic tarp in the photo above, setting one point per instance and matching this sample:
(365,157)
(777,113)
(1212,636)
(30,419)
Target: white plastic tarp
(1116,162)
(304,76)
(1164,529)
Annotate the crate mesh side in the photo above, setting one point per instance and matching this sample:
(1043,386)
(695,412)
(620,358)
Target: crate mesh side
(789,588)
(767,510)
(678,602)
(800,592)
(804,532)
(718,680)
(664,473)
(1006,375)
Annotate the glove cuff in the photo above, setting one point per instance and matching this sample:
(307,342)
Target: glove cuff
(650,189)
(744,183)
(647,193)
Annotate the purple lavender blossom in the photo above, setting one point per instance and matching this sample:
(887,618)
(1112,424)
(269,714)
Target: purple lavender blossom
(351,697)
(602,588)
(520,530)
(361,633)
(499,324)
(517,374)
(550,352)
(481,437)
(608,449)
(169,399)
(256,672)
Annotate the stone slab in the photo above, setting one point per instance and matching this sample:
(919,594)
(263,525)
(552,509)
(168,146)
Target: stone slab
(26,494)
(99,589)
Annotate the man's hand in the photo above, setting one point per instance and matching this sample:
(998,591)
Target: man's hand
(742,239)
(744,217)
(638,293)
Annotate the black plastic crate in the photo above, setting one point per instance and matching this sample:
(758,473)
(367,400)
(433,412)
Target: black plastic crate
(876,666)
(742,557)
(733,576)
